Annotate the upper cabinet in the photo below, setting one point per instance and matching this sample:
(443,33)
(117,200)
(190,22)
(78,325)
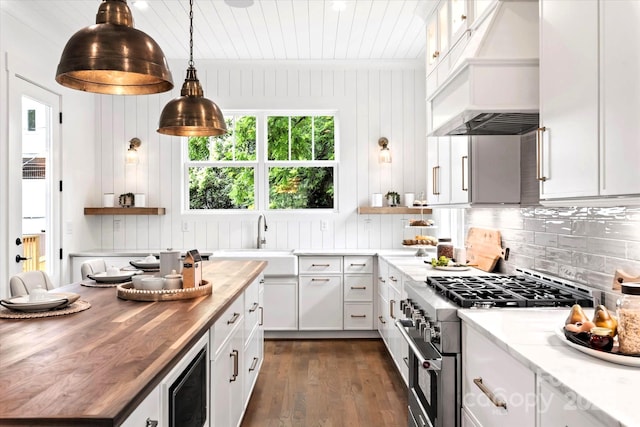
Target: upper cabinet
(437,35)
(589,101)
(477,170)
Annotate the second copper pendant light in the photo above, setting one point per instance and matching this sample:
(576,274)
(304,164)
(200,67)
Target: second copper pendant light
(191,114)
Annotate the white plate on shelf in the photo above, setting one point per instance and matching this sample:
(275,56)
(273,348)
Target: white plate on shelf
(122,276)
(612,357)
(452,268)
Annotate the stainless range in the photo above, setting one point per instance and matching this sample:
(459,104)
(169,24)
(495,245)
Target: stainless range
(431,328)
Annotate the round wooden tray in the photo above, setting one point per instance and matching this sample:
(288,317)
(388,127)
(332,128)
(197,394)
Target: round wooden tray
(126,291)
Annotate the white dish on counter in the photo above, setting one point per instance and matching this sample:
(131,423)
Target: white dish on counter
(52,301)
(452,268)
(123,276)
(618,358)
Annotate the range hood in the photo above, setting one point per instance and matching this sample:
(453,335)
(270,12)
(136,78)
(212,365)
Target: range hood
(488,83)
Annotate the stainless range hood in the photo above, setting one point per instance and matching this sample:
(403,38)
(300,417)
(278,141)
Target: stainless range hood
(488,83)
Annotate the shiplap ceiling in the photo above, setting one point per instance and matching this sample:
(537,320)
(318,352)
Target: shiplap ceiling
(266,30)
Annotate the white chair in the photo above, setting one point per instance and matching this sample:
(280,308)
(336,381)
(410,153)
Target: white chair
(93,266)
(24,283)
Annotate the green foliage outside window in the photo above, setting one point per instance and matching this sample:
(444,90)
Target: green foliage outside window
(289,139)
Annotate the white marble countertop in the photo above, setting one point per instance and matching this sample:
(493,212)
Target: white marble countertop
(417,269)
(607,391)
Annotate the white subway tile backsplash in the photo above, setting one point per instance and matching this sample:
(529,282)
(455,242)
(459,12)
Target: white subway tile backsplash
(582,244)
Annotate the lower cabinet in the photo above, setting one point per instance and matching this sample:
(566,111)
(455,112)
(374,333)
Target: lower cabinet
(497,390)
(281,303)
(320,302)
(555,408)
(148,413)
(237,352)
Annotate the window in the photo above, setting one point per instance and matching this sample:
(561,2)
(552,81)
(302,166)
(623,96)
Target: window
(265,161)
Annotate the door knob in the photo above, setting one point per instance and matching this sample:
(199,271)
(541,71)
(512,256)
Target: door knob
(21,258)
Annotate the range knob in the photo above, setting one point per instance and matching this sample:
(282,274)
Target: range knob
(435,334)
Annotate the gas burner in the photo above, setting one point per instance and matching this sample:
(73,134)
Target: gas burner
(530,289)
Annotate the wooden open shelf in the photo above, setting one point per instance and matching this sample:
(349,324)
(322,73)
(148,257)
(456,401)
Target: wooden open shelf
(399,210)
(124,211)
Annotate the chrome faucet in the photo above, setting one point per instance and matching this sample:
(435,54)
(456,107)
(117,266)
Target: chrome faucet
(262,240)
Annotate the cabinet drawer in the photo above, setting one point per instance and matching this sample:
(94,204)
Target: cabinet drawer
(358,287)
(500,375)
(251,307)
(252,363)
(322,265)
(358,316)
(358,264)
(225,324)
(394,279)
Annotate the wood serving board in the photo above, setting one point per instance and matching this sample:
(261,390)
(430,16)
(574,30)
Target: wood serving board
(484,248)
(621,276)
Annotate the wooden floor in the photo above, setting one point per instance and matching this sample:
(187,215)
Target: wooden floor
(327,383)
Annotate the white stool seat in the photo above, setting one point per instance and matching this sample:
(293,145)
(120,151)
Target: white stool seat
(24,283)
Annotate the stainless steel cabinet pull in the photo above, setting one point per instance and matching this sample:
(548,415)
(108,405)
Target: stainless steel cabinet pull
(406,360)
(359,316)
(539,176)
(253,364)
(235,355)
(151,423)
(320,265)
(262,281)
(489,394)
(358,265)
(393,279)
(254,307)
(359,287)
(233,319)
(391,303)
(463,170)
(433,180)
(382,320)
(261,316)
(319,280)
(381,279)
(437,179)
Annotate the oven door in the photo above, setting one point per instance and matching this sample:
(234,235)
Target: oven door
(433,383)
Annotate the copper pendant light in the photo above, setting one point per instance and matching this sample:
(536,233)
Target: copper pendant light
(191,114)
(112,57)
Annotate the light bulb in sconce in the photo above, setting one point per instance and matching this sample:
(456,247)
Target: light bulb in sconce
(385,153)
(132,152)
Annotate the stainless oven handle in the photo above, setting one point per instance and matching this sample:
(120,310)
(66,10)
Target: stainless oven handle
(429,364)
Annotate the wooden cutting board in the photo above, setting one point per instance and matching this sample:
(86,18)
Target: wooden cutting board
(621,276)
(484,248)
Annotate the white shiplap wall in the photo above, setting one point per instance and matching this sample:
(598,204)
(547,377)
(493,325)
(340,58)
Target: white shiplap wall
(372,100)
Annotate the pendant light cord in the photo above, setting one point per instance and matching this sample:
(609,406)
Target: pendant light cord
(190,33)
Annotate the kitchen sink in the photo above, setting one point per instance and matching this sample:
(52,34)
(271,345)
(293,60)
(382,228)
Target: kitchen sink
(281,262)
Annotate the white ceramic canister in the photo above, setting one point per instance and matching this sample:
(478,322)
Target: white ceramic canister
(408,199)
(108,200)
(173,280)
(376,200)
(139,200)
(169,261)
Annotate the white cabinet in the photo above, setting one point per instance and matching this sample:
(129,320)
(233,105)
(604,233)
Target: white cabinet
(358,292)
(147,412)
(437,35)
(320,302)
(236,356)
(588,101)
(382,309)
(226,382)
(397,345)
(568,150)
(473,170)
(281,303)
(558,409)
(497,390)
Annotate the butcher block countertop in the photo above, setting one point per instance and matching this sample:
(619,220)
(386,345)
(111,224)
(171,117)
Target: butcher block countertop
(94,367)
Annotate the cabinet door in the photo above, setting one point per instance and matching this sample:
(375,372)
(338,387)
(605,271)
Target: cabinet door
(569,98)
(495,169)
(280,312)
(227,375)
(398,346)
(460,180)
(147,411)
(555,409)
(438,170)
(458,19)
(320,302)
(384,321)
(620,97)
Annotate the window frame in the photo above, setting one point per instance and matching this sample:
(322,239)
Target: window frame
(261,165)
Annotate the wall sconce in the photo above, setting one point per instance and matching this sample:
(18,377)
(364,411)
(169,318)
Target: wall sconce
(385,154)
(132,152)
